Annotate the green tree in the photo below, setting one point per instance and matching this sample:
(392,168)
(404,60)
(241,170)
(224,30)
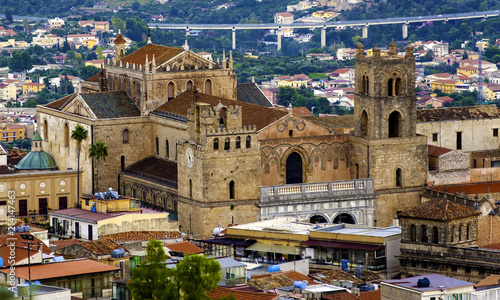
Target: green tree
(8,16)
(79,134)
(196,275)
(99,50)
(152,279)
(5,293)
(98,151)
(118,24)
(16,62)
(88,71)
(27,61)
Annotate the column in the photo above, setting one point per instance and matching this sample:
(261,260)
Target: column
(323,37)
(278,32)
(365,31)
(405,31)
(234,38)
(187,31)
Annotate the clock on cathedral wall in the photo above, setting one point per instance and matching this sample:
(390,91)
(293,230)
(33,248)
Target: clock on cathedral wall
(189,158)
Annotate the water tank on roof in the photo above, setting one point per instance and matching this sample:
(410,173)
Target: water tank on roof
(117,253)
(273,268)
(344,265)
(26,228)
(300,284)
(423,282)
(58,258)
(1,261)
(93,209)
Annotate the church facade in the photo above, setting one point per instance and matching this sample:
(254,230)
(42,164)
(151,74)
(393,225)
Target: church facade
(180,138)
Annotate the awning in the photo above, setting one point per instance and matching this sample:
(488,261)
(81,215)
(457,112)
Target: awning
(328,244)
(273,248)
(229,241)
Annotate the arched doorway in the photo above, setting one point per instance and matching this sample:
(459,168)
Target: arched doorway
(318,219)
(294,168)
(344,218)
(394,124)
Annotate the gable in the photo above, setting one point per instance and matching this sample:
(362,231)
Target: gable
(300,127)
(78,107)
(186,60)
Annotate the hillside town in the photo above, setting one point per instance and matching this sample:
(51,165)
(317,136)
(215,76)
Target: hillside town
(136,170)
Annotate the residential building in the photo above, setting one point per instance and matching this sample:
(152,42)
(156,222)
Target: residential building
(445,86)
(320,56)
(434,102)
(324,14)
(346,53)
(56,23)
(283,18)
(32,88)
(46,40)
(8,92)
(98,63)
(101,26)
(6,32)
(429,286)
(302,5)
(12,132)
(81,39)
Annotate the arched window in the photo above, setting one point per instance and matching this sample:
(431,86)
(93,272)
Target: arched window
(226,144)
(364,124)
(435,235)
(468,232)
(170,90)
(66,135)
(231,189)
(248,141)
(363,85)
(167,148)
(460,233)
(223,118)
(134,90)
(452,234)
(294,168)
(45,130)
(367,85)
(238,142)
(216,144)
(157,144)
(208,87)
(125,136)
(413,233)
(399,177)
(122,162)
(190,188)
(397,87)
(189,85)
(423,234)
(390,87)
(394,124)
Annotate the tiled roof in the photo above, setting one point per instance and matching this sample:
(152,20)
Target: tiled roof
(446,99)
(333,122)
(141,236)
(111,105)
(96,76)
(154,166)
(493,279)
(58,104)
(252,114)
(250,93)
(439,209)
(160,53)
(62,269)
(119,39)
(340,296)
(302,112)
(329,276)
(285,14)
(184,247)
(269,283)
(436,151)
(5,170)
(470,189)
(101,246)
(64,243)
(371,295)
(20,249)
(220,292)
(458,113)
(81,214)
(293,275)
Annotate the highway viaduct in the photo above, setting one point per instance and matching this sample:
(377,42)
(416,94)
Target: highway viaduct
(364,24)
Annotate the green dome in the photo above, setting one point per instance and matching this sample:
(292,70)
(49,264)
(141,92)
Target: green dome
(37,160)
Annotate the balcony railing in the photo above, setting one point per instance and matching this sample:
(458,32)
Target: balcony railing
(316,190)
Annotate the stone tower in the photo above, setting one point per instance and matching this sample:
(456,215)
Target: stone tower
(385,146)
(119,47)
(218,170)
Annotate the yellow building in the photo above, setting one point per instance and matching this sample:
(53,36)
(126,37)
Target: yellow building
(324,14)
(12,132)
(101,26)
(33,88)
(8,91)
(46,40)
(445,86)
(468,71)
(369,52)
(88,43)
(108,203)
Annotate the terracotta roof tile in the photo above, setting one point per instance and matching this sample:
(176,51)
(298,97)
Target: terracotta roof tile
(220,292)
(252,114)
(340,296)
(371,295)
(493,279)
(436,151)
(184,247)
(458,113)
(95,77)
(160,53)
(62,269)
(19,243)
(64,243)
(111,105)
(470,189)
(58,104)
(101,246)
(269,283)
(293,275)
(250,93)
(154,166)
(439,209)
(333,122)
(141,236)
(119,39)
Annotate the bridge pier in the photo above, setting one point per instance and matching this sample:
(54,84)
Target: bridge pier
(323,37)
(405,31)
(187,31)
(365,31)
(234,38)
(278,33)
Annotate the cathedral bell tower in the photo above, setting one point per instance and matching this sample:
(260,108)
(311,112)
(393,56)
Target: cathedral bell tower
(385,146)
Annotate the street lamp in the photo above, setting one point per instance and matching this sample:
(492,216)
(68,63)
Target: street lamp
(28,240)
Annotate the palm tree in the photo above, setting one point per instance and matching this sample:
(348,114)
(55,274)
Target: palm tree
(99,151)
(79,134)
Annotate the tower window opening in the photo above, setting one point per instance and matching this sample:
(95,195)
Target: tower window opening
(399,178)
(238,142)
(226,144)
(231,189)
(248,141)
(397,87)
(394,124)
(390,87)
(216,144)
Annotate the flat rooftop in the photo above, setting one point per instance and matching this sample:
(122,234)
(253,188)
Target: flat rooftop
(363,231)
(437,282)
(278,225)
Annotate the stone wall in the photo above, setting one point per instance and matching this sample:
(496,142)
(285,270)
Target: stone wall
(136,222)
(166,129)
(488,230)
